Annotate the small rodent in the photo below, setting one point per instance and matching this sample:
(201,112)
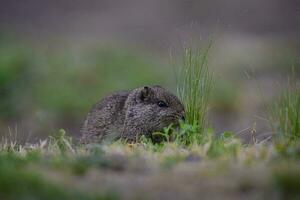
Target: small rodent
(128,115)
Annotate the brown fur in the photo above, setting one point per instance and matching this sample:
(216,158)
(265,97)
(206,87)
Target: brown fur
(128,115)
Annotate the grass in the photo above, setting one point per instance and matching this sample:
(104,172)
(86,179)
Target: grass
(42,85)
(57,168)
(194,88)
(285,115)
(192,162)
(19,180)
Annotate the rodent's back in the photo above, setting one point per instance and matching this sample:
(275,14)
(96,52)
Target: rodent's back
(106,117)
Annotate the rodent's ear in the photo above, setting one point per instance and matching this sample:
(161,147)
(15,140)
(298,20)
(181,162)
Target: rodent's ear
(146,93)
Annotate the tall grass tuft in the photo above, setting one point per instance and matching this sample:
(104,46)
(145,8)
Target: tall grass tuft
(194,87)
(285,115)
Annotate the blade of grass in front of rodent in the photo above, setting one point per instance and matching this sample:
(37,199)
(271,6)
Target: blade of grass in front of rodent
(194,84)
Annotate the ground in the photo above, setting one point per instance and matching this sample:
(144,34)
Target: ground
(58,169)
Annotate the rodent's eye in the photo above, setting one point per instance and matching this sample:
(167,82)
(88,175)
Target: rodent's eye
(162,104)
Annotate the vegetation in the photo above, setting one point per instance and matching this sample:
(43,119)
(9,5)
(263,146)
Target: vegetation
(194,87)
(285,114)
(192,161)
(43,85)
(57,168)
(285,121)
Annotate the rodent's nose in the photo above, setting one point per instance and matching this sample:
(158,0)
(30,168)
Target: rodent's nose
(182,117)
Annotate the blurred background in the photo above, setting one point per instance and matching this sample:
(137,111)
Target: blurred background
(58,58)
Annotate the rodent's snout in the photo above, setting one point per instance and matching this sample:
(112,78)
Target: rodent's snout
(183,117)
